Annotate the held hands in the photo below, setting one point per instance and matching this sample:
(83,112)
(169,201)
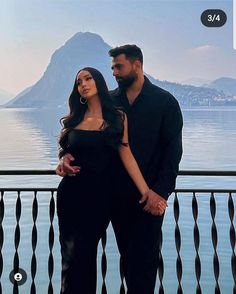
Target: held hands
(64,167)
(155,204)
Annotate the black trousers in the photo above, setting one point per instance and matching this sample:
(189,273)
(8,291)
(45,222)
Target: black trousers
(83,208)
(138,237)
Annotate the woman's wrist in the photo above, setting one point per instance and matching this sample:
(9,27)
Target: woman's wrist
(145,192)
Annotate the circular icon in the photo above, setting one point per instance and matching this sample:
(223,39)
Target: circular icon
(19,276)
(213,18)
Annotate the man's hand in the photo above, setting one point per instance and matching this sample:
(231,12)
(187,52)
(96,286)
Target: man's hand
(155,204)
(64,167)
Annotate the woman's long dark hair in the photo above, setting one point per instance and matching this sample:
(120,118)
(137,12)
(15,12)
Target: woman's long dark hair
(114,119)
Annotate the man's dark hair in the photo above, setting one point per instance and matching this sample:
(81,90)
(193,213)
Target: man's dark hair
(132,52)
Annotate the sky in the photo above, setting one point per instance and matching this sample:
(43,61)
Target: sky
(175,44)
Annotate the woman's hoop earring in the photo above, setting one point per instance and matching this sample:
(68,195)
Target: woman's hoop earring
(83,100)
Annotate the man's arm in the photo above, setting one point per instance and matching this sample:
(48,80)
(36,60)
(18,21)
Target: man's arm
(171,140)
(64,168)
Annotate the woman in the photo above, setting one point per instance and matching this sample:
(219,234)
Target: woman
(93,132)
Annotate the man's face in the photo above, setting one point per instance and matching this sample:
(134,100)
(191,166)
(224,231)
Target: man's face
(123,70)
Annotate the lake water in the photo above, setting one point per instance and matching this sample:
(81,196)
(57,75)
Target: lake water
(29,141)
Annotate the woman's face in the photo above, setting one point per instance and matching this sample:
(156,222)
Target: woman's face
(86,84)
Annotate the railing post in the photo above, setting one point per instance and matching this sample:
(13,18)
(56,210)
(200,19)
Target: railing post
(178,244)
(17,241)
(214,238)
(104,263)
(161,265)
(196,237)
(232,239)
(51,242)
(122,277)
(1,236)
(34,243)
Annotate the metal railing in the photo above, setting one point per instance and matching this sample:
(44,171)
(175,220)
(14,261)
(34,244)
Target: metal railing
(228,195)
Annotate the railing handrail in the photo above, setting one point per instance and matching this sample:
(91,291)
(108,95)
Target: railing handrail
(181,172)
(53,189)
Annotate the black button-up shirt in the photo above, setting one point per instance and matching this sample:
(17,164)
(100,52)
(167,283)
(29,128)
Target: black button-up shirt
(155,135)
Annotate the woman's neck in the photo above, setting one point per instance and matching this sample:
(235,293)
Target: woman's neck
(94,108)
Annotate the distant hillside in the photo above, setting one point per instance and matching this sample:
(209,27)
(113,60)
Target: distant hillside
(228,85)
(197,82)
(5,96)
(89,49)
(196,96)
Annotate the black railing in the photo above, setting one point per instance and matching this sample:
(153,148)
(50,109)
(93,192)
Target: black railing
(195,193)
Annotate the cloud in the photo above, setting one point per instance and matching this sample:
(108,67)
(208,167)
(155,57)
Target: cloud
(204,50)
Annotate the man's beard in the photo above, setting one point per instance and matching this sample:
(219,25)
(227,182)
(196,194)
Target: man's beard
(127,81)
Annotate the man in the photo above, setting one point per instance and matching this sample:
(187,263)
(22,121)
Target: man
(155,137)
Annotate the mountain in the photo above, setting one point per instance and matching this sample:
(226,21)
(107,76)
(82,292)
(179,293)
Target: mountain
(22,93)
(5,96)
(89,49)
(54,87)
(228,85)
(197,82)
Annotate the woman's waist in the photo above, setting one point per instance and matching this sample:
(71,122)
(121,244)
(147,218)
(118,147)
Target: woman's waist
(93,163)
(92,167)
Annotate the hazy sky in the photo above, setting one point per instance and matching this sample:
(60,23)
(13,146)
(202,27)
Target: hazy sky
(175,44)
